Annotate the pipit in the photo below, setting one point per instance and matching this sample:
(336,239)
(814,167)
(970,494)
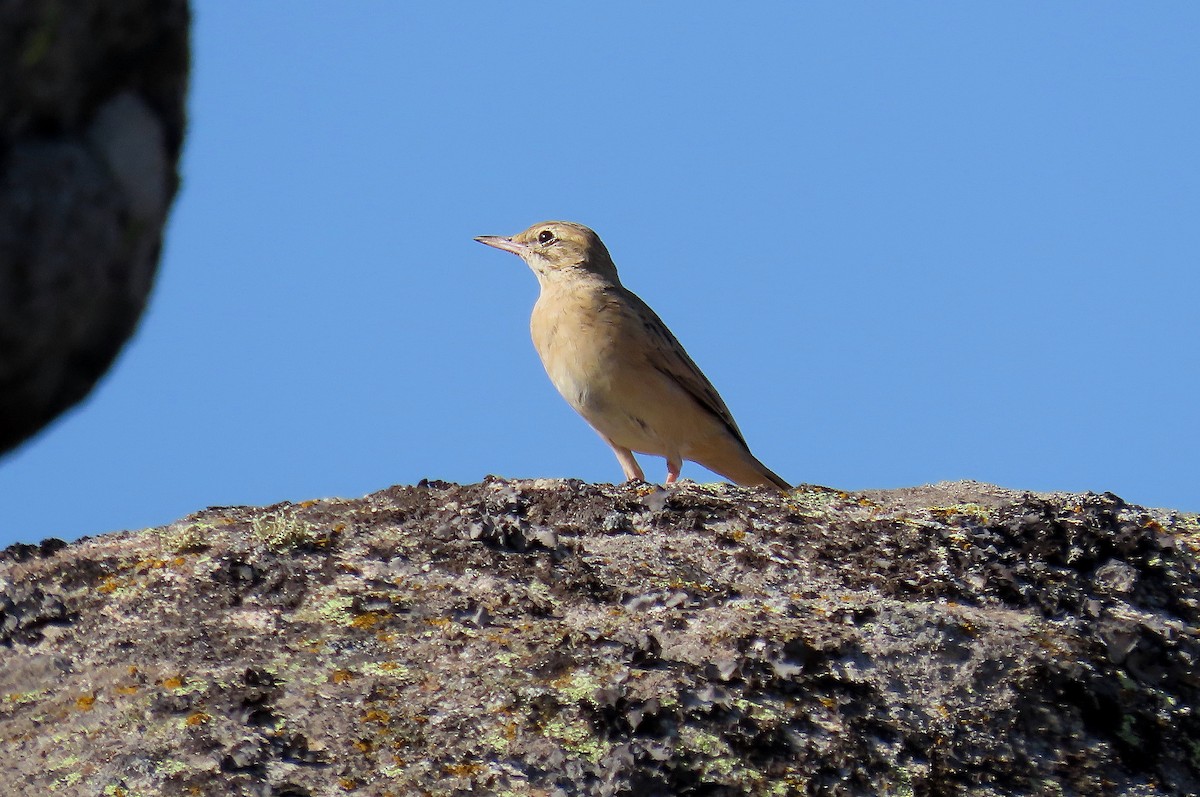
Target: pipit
(614,360)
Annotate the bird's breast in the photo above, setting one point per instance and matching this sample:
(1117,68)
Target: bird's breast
(577,338)
(590,346)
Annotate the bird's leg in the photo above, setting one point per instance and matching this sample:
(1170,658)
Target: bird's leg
(674,465)
(633,471)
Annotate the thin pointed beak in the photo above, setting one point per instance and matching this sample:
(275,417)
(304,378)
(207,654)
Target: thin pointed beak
(500,242)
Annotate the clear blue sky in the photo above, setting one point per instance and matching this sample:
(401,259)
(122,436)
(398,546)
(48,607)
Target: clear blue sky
(906,242)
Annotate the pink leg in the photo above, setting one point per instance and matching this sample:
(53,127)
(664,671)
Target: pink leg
(629,465)
(674,465)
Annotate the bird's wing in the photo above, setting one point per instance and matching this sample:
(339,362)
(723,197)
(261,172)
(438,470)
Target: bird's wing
(668,356)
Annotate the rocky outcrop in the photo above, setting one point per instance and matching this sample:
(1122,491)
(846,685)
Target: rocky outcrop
(91,126)
(557,638)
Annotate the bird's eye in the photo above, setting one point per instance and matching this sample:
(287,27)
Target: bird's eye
(545,237)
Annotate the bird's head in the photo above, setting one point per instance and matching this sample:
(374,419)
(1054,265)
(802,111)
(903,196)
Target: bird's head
(557,250)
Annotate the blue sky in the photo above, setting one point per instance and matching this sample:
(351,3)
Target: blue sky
(906,242)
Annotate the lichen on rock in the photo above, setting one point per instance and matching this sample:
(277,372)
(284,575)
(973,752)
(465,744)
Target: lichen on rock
(558,638)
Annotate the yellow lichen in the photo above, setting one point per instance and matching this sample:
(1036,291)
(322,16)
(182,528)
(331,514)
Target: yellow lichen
(376,716)
(368,619)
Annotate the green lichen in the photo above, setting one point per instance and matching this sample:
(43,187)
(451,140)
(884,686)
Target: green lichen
(539,590)
(576,736)
(1127,733)
(579,686)
(71,778)
(904,786)
(118,790)
(21,698)
(388,669)
(170,767)
(723,766)
(1126,683)
(283,531)
(763,711)
(720,763)
(1051,787)
(392,771)
(977,511)
(702,741)
(787,785)
(496,739)
(813,502)
(337,610)
(185,538)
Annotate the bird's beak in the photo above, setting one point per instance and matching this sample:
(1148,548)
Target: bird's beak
(500,242)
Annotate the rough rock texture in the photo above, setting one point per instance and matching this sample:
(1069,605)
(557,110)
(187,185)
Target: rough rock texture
(557,638)
(91,125)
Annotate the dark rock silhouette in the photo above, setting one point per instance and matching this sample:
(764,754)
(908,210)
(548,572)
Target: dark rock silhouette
(557,638)
(91,125)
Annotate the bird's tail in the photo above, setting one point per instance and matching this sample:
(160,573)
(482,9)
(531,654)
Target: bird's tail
(747,471)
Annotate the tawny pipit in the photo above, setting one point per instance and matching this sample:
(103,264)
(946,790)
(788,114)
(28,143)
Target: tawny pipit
(619,366)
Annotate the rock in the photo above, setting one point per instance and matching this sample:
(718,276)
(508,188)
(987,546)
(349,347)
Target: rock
(557,638)
(91,126)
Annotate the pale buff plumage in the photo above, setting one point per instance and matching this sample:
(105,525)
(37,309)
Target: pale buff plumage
(619,366)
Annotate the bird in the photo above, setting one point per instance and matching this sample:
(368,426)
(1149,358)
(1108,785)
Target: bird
(616,363)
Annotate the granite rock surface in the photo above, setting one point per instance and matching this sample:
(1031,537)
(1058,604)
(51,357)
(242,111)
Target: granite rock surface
(559,638)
